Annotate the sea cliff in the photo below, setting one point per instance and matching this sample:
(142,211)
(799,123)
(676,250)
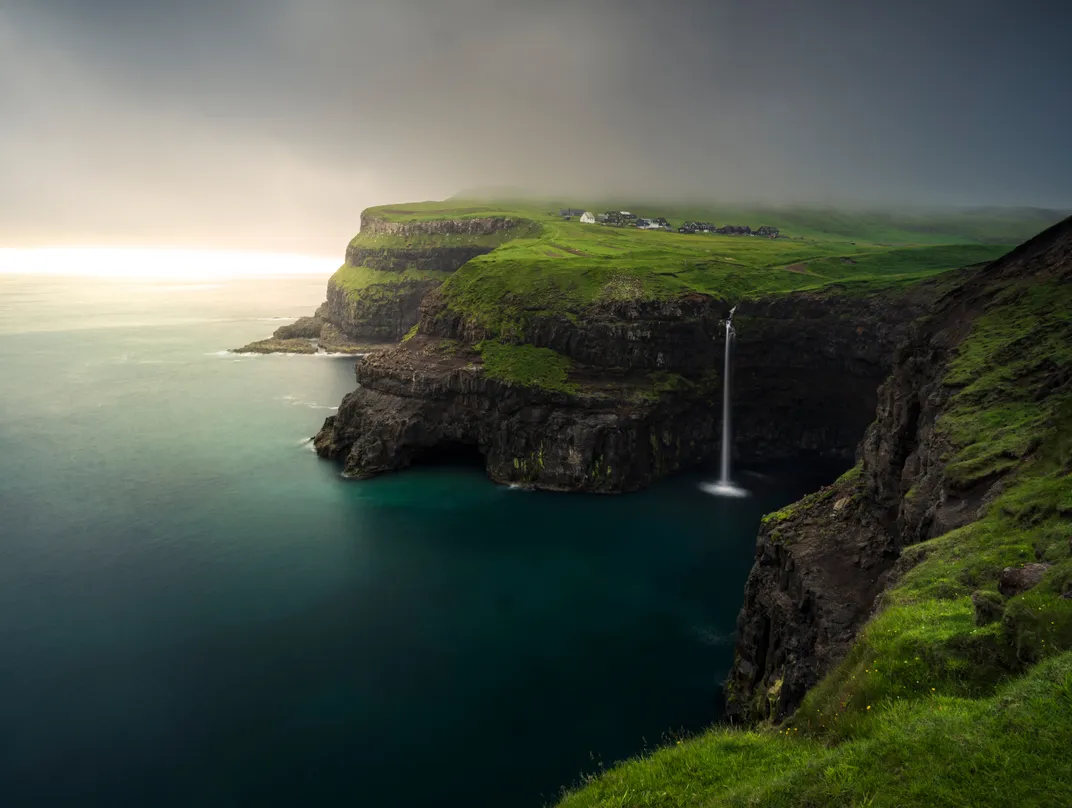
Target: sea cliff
(374,298)
(584,358)
(906,633)
(907,626)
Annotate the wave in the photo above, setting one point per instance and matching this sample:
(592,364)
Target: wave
(296,401)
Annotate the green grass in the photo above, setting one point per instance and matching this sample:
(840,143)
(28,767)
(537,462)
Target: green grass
(1009,749)
(367,284)
(1015,348)
(527,366)
(383,241)
(572,267)
(1000,226)
(547,265)
(939,751)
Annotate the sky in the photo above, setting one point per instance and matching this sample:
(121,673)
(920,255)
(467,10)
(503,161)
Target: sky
(268,125)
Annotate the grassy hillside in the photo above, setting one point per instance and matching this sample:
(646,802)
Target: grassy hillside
(937,703)
(571,266)
(367,283)
(547,264)
(984,226)
(938,751)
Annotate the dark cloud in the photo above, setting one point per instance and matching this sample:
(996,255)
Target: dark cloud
(270,124)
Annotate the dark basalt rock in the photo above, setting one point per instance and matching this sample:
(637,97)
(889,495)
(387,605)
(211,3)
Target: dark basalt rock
(1017,580)
(818,574)
(376,317)
(304,328)
(418,397)
(808,365)
(432,259)
(273,345)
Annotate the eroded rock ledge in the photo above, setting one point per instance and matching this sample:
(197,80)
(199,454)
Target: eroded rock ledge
(430,393)
(643,389)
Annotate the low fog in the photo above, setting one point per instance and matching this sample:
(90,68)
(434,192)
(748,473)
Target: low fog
(269,125)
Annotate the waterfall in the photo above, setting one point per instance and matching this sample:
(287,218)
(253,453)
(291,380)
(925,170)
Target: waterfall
(727,435)
(724,486)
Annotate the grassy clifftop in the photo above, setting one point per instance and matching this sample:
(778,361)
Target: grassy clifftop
(542,262)
(539,264)
(939,750)
(983,226)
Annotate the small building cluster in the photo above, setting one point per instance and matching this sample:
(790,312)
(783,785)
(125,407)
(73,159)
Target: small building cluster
(617,218)
(728,230)
(623,218)
(697,227)
(658,223)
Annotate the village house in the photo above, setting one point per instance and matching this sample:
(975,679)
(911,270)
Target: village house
(588,218)
(618,218)
(569,213)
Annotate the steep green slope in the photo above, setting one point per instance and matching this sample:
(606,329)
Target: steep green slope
(523,257)
(936,751)
(983,225)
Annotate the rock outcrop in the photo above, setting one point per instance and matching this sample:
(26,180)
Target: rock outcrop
(377,313)
(309,335)
(429,396)
(821,565)
(399,263)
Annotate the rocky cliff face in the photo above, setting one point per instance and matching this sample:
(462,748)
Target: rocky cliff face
(643,389)
(430,396)
(821,565)
(403,262)
(416,257)
(377,315)
(372,225)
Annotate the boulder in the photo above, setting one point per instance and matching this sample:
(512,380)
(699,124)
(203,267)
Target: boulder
(1015,580)
(304,328)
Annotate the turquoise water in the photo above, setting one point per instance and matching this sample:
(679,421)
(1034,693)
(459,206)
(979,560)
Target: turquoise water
(196,611)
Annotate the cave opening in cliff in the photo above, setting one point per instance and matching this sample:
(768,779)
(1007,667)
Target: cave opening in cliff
(449,453)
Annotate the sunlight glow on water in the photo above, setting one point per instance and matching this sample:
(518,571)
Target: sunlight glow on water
(151,264)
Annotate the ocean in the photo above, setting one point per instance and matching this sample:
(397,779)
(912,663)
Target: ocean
(197,611)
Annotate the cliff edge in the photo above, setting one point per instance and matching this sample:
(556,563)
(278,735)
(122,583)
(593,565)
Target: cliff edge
(374,298)
(579,357)
(906,632)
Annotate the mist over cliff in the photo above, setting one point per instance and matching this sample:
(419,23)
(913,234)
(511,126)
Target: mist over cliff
(273,124)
